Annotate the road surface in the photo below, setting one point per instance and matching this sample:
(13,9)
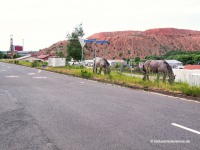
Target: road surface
(41,110)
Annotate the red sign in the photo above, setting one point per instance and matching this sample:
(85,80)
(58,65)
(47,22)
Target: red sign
(18,48)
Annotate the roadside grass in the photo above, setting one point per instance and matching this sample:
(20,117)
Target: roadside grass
(24,63)
(116,78)
(120,79)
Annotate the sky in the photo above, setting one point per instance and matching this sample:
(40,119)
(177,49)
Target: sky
(41,23)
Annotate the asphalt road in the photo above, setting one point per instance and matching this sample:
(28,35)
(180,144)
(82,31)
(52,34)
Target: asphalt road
(41,110)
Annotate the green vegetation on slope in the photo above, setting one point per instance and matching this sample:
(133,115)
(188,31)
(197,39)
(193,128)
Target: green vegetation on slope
(183,56)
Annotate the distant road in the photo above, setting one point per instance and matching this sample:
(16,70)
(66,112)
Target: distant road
(43,110)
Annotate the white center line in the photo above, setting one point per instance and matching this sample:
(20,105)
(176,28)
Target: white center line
(39,77)
(39,71)
(31,73)
(12,76)
(180,126)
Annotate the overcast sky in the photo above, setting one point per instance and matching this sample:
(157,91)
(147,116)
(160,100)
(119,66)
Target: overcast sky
(43,22)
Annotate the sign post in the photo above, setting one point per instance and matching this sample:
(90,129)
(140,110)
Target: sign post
(81,40)
(96,42)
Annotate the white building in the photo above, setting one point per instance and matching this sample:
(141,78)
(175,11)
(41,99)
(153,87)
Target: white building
(56,62)
(114,62)
(174,63)
(88,63)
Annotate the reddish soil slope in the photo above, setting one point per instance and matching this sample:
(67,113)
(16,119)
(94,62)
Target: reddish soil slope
(145,43)
(60,46)
(124,44)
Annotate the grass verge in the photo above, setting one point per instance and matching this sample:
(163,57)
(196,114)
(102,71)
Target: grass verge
(177,89)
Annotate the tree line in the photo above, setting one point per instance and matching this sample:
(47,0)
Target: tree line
(6,56)
(186,57)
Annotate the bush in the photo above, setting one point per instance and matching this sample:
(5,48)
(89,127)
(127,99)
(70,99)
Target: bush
(34,64)
(86,74)
(38,64)
(191,90)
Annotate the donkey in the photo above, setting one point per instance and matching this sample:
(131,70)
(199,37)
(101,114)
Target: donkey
(159,67)
(102,63)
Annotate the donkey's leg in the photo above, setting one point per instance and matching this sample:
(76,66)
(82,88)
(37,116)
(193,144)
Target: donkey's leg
(96,70)
(145,75)
(158,76)
(93,69)
(164,77)
(105,71)
(100,70)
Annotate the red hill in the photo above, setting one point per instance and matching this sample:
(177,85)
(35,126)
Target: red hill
(145,43)
(124,44)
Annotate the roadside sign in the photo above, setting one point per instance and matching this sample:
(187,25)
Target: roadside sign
(81,40)
(90,41)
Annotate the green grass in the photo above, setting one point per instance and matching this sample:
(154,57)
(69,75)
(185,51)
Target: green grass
(24,63)
(116,78)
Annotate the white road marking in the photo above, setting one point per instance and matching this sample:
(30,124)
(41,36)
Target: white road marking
(39,77)
(2,70)
(30,73)
(39,71)
(175,98)
(82,82)
(180,126)
(12,76)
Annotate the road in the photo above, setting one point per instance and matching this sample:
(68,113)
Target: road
(41,110)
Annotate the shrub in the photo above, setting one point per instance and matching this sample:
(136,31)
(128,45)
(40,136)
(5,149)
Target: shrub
(37,64)
(86,74)
(34,64)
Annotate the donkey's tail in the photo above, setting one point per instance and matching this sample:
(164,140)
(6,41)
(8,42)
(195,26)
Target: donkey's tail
(106,61)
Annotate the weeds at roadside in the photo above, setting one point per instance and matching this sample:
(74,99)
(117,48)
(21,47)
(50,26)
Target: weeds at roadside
(115,77)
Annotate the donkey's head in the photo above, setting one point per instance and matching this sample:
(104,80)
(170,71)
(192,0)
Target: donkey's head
(171,79)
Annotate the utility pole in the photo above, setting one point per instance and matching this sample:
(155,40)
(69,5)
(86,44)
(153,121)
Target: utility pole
(23,44)
(132,57)
(11,43)
(95,59)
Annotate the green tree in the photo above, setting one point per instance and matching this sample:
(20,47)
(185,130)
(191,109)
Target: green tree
(16,56)
(120,54)
(60,54)
(74,49)
(137,59)
(6,56)
(1,55)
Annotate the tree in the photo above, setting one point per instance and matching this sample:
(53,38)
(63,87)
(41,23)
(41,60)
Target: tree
(17,56)
(137,59)
(1,55)
(74,48)
(60,54)
(6,56)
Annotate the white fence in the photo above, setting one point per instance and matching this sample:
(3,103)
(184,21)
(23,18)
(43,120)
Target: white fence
(191,77)
(194,79)
(56,62)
